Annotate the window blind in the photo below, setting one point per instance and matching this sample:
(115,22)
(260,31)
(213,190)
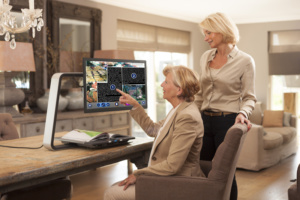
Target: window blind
(136,36)
(284,52)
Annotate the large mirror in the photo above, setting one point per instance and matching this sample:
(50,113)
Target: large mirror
(75,43)
(74,33)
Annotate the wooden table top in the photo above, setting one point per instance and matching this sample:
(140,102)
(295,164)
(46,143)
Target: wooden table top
(22,165)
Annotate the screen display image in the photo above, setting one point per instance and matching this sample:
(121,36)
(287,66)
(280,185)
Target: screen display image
(103,76)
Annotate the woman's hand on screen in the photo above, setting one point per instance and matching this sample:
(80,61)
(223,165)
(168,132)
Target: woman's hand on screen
(126,99)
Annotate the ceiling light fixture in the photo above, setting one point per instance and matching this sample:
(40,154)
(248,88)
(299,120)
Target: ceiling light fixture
(32,18)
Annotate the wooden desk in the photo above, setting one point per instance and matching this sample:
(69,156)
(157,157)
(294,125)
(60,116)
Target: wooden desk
(25,167)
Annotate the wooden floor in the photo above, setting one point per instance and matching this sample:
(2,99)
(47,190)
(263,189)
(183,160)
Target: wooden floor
(90,185)
(268,184)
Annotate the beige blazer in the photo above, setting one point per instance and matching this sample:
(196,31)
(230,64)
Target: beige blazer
(177,149)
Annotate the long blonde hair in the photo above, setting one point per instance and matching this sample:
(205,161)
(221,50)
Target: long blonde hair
(221,23)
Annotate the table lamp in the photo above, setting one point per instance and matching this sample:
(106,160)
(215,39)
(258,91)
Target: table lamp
(13,60)
(114,54)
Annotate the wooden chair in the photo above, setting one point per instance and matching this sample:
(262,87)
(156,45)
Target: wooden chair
(219,172)
(53,190)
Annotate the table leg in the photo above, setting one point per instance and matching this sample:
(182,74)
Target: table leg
(141,162)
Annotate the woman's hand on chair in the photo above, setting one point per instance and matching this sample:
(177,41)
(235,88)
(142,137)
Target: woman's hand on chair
(242,119)
(130,180)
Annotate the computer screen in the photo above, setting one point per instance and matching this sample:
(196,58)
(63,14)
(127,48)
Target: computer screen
(101,78)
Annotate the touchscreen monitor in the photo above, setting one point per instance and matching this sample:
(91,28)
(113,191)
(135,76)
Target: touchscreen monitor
(102,77)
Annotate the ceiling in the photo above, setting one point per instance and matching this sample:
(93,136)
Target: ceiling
(241,11)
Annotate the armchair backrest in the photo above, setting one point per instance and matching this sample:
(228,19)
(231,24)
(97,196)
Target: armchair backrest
(226,156)
(216,185)
(8,130)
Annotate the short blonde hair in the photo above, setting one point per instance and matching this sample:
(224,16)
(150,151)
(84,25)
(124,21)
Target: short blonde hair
(186,79)
(221,23)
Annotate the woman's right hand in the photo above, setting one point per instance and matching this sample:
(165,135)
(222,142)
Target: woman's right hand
(130,180)
(242,119)
(127,99)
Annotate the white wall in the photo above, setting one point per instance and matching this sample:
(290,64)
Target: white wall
(254,41)
(254,38)
(110,15)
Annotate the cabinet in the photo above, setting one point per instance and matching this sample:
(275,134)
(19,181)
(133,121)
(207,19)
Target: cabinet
(114,122)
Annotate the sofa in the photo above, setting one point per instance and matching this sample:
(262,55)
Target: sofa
(272,138)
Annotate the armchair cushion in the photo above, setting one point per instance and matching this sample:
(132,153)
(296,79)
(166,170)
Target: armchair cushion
(178,188)
(287,133)
(273,118)
(272,140)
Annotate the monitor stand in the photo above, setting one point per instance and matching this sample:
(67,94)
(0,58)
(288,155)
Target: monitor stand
(54,93)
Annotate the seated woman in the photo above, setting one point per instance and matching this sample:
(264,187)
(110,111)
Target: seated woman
(178,138)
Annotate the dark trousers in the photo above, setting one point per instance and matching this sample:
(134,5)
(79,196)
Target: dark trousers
(215,129)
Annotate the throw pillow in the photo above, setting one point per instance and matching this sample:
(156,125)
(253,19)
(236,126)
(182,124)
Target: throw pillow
(287,119)
(273,118)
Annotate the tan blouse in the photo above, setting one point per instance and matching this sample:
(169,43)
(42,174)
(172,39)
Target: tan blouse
(229,89)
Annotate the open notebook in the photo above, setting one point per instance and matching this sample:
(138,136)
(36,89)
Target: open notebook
(93,139)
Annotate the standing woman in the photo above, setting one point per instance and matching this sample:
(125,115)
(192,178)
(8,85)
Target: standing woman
(226,93)
(178,138)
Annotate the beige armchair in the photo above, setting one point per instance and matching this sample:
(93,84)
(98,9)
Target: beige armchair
(216,185)
(53,190)
(267,144)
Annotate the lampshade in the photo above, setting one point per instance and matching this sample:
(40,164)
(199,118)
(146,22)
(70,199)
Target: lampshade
(114,54)
(12,61)
(19,59)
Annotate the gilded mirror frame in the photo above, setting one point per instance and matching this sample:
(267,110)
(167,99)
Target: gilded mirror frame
(57,10)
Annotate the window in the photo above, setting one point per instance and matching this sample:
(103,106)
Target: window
(159,47)
(284,52)
(156,61)
(284,68)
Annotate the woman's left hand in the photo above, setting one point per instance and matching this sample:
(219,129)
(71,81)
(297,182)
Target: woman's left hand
(130,180)
(242,119)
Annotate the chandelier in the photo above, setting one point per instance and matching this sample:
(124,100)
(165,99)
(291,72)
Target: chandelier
(32,18)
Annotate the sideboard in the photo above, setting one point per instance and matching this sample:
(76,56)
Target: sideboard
(114,122)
